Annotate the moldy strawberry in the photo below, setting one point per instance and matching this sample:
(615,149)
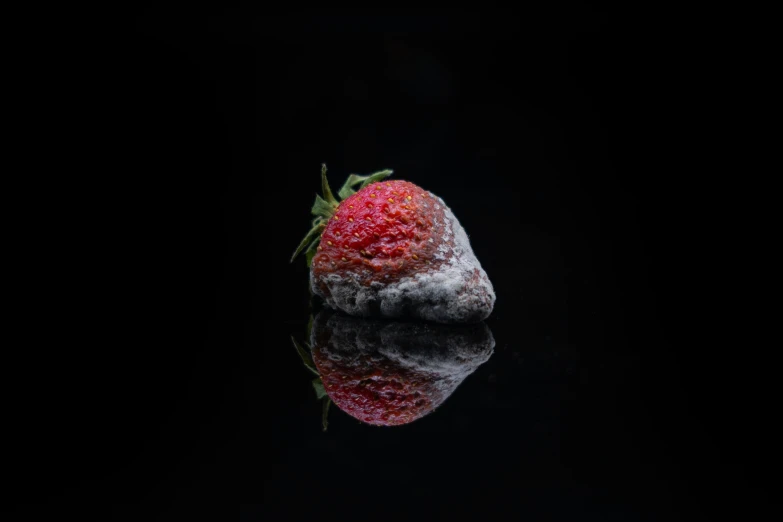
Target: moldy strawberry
(393,249)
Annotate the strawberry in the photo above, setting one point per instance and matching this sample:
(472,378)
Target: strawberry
(389,373)
(392,249)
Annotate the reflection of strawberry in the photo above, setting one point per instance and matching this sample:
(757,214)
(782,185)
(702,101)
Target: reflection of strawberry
(393,249)
(391,373)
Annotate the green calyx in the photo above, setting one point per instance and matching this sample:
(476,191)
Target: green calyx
(326,205)
(318,385)
(347,191)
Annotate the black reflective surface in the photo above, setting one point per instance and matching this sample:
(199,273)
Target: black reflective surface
(550,427)
(148,367)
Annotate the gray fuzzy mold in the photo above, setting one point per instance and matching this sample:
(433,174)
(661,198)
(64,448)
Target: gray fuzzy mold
(454,289)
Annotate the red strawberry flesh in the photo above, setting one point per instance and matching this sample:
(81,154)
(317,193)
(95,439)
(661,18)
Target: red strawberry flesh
(384,229)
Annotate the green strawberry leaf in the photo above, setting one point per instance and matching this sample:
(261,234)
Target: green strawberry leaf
(311,236)
(323,208)
(310,252)
(354,179)
(372,178)
(347,189)
(325,187)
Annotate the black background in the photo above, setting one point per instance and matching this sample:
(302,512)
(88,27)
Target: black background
(155,377)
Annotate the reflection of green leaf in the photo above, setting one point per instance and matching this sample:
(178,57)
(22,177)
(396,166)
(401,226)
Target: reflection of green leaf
(305,356)
(325,413)
(318,386)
